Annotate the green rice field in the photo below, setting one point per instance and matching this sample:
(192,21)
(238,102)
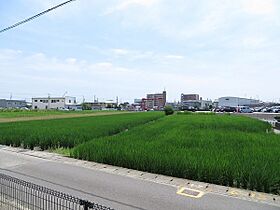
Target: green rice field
(227,150)
(69,132)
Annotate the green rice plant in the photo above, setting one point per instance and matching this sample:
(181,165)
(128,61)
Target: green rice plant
(69,132)
(221,149)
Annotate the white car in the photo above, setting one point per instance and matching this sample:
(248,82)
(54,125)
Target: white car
(63,109)
(245,109)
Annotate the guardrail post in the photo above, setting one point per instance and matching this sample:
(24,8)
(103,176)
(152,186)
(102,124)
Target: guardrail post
(85,204)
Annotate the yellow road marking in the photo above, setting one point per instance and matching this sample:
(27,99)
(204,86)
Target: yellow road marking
(190,192)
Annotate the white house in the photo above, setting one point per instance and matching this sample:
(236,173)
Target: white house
(66,102)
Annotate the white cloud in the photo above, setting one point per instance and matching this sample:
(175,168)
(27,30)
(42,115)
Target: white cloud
(254,42)
(120,52)
(7,54)
(260,7)
(179,57)
(126,4)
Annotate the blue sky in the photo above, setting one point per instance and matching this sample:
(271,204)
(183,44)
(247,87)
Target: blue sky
(128,48)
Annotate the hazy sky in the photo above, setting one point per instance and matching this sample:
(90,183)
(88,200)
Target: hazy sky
(128,48)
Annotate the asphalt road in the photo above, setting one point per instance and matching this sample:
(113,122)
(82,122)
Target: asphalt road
(115,191)
(262,116)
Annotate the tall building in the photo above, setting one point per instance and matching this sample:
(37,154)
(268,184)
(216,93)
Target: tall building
(189,97)
(154,101)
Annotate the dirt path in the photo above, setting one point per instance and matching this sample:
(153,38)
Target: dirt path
(49,117)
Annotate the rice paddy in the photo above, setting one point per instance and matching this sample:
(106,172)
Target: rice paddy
(227,150)
(69,132)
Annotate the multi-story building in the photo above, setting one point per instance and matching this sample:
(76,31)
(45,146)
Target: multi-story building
(192,101)
(12,104)
(189,97)
(154,101)
(66,102)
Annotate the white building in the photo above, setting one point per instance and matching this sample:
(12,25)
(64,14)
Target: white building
(66,102)
(236,101)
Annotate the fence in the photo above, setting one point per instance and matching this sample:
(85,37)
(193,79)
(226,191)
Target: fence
(16,194)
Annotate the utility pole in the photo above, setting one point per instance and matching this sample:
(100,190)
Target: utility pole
(49,101)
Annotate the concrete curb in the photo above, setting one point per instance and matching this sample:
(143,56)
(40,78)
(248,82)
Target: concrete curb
(156,178)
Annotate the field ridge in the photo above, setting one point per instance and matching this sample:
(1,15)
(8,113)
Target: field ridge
(58,116)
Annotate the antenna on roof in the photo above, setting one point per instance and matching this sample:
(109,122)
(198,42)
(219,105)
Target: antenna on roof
(11,96)
(64,94)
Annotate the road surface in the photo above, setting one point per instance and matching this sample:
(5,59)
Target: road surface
(115,191)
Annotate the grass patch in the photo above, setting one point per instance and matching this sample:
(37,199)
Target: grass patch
(61,150)
(221,149)
(69,132)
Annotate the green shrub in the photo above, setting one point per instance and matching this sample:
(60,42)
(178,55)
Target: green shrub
(168,110)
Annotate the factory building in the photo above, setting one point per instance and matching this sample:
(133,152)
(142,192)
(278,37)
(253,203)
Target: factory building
(236,101)
(12,104)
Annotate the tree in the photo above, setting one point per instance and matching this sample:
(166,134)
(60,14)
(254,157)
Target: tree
(86,106)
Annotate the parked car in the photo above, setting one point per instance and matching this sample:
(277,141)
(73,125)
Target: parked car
(217,109)
(63,109)
(229,109)
(245,109)
(258,109)
(267,110)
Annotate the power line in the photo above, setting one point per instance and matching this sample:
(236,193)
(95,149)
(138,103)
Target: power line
(35,16)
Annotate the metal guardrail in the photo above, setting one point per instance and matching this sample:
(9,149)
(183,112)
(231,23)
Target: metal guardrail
(16,194)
